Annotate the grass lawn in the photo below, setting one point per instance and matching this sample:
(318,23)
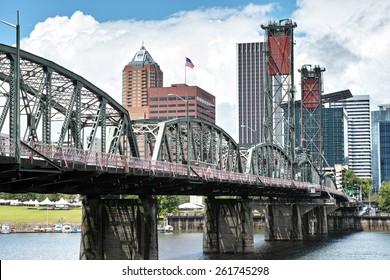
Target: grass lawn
(23,214)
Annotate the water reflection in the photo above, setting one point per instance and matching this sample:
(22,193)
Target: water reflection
(188,246)
(353,246)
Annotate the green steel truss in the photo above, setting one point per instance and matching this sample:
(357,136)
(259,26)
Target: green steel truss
(209,144)
(58,106)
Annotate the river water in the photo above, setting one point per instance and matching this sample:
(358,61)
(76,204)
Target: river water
(188,246)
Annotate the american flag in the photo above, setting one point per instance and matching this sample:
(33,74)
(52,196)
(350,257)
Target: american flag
(189,63)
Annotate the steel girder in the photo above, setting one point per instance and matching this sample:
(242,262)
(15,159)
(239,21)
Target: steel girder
(209,144)
(145,132)
(269,160)
(58,106)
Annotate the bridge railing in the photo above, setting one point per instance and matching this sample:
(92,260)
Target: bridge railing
(69,157)
(6,146)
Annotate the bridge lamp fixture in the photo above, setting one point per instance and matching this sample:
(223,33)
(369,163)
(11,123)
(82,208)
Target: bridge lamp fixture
(16,103)
(243,125)
(188,131)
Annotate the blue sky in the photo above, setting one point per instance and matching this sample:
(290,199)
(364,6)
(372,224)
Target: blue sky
(96,39)
(34,11)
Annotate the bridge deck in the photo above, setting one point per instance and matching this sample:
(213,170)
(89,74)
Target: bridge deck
(49,168)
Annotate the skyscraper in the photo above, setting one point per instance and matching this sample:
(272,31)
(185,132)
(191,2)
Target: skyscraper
(250,78)
(380,121)
(359,133)
(141,74)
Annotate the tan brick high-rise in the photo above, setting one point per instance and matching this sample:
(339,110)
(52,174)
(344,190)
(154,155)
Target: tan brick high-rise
(141,74)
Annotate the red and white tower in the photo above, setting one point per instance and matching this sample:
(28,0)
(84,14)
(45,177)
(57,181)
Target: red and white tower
(279,91)
(311,113)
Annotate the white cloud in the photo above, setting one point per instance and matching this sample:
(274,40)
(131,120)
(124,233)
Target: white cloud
(351,39)
(99,51)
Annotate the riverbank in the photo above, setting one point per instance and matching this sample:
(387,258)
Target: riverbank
(33,227)
(26,220)
(23,219)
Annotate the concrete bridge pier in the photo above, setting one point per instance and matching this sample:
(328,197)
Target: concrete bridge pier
(228,226)
(283,222)
(315,221)
(343,219)
(321,216)
(118,229)
(294,221)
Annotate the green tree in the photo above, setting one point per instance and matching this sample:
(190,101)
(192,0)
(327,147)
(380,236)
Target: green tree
(384,196)
(37,196)
(166,204)
(351,183)
(366,185)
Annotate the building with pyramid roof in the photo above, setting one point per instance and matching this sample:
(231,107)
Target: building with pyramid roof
(138,76)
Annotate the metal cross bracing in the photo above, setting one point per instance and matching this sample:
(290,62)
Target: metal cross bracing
(58,106)
(312,134)
(269,160)
(210,145)
(279,84)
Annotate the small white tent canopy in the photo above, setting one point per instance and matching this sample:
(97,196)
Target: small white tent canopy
(3,201)
(62,202)
(189,205)
(46,202)
(30,202)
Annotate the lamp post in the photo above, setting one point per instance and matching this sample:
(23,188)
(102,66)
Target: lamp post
(16,101)
(249,138)
(188,131)
(243,125)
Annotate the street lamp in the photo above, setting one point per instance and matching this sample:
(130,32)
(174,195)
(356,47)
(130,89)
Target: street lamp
(16,101)
(188,132)
(243,125)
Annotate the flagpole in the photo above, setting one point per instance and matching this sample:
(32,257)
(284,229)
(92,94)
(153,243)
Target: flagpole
(185,72)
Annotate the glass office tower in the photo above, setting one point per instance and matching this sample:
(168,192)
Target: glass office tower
(380,123)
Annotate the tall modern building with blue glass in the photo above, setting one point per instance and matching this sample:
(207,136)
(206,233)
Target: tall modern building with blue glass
(380,125)
(335,122)
(359,133)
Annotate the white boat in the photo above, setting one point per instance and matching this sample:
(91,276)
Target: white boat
(67,229)
(5,229)
(58,228)
(166,228)
(48,229)
(37,229)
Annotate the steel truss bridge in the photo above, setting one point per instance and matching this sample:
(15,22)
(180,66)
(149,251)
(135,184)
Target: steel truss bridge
(76,139)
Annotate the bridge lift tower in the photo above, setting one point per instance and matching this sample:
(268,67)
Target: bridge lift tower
(311,113)
(279,83)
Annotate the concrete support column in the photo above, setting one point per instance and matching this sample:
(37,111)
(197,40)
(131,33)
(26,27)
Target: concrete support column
(119,229)
(322,219)
(228,226)
(283,222)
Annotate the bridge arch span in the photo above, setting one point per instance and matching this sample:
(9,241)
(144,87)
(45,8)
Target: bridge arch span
(269,160)
(167,141)
(59,106)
